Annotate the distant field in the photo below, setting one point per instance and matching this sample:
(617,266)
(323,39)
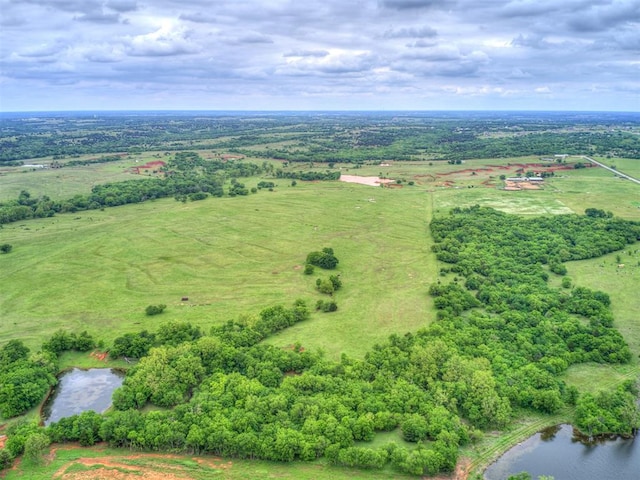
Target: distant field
(230,256)
(62,183)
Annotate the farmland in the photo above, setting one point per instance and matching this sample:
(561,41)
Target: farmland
(221,259)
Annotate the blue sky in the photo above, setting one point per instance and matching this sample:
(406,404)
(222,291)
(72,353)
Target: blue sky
(319,55)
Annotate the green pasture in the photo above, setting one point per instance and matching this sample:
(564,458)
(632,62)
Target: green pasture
(98,270)
(622,283)
(62,183)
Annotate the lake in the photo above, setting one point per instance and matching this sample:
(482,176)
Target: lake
(80,390)
(556,451)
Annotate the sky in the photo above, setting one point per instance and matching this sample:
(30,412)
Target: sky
(319,55)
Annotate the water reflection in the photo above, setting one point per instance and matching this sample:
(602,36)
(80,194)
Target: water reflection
(563,454)
(81,390)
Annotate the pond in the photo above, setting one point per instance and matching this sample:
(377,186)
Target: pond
(80,390)
(558,452)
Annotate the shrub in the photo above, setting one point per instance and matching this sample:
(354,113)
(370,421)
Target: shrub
(325,286)
(328,306)
(6,248)
(308,269)
(155,309)
(324,259)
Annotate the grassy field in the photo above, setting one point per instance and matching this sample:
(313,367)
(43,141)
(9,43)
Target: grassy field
(230,256)
(98,270)
(103,463)
(63,183)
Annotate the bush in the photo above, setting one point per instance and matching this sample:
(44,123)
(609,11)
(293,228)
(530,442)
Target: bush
(325,286)
(155,309)
(6,459)
(308,269)
(6,248)
(328,306)
(324,259)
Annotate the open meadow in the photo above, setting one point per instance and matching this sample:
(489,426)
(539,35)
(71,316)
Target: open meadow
(214,260)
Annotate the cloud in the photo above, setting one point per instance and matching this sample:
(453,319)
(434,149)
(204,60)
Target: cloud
(251,38)
(198,17)
(335,62)
(168,40)
(122,6)
(307,53)
(414,4)
(604,17)
(411,32)
(98,17)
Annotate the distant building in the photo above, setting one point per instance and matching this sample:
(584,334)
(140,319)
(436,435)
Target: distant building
(525,179)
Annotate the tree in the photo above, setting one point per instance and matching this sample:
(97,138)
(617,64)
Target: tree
(12,351)
(155,309)
(324,259)
(325,286)
(5,459)
(35,446)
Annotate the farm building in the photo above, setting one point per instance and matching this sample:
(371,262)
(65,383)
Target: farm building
(525,179)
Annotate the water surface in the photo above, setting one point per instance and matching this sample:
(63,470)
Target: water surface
(559,453)
(80,390)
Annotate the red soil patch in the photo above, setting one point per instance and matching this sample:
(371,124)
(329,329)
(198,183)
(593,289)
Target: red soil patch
(98,355)
(3,440)
(467,170)
(462,471)
(514,186)
(120,467)
(517,167)
(149,167)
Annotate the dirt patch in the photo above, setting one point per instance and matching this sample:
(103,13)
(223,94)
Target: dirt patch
(515,186)
(371,181)
(462,471)
(467,170)
(3,440)
(98,355)
(135,467)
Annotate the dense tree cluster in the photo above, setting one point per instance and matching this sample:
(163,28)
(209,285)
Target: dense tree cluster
(609,411)
(24,380)
(308,176)
(62,341)
(529,331)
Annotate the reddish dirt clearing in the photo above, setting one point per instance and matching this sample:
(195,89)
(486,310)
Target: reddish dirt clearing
(133,467)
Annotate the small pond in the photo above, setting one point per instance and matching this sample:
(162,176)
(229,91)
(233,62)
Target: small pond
(80,390)
(558,452)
